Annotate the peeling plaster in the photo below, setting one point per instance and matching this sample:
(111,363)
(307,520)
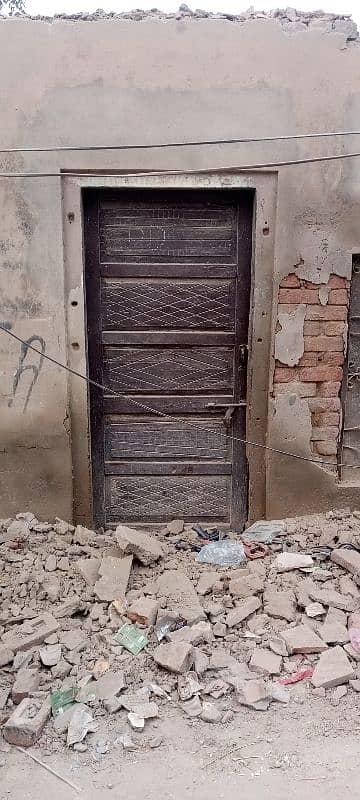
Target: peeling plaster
(324,295)
(289,340)
(292,424)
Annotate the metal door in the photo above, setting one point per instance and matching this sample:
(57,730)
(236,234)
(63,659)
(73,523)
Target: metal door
(167,296)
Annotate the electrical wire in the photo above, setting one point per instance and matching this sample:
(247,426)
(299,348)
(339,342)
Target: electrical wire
(160,145)
(162,414)
(158,173)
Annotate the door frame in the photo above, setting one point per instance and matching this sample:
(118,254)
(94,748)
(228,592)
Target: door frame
(261,322)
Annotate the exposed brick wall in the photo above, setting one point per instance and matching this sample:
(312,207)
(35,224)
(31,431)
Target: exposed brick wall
(318,374)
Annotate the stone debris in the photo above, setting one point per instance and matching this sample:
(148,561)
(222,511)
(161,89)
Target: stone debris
(280,605)
(125,624)
(145,548)
(332,669)
(302,639)
(174,657)
(114,577)
(27,681)
(289,561)
(348,559)
(265,662)
(242,611)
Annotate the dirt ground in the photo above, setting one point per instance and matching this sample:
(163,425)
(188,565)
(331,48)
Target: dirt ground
(310,747)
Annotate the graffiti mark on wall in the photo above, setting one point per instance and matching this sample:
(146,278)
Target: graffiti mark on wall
(24,367)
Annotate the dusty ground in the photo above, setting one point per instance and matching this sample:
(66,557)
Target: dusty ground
(309,748)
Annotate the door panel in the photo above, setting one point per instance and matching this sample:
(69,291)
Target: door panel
(167,295)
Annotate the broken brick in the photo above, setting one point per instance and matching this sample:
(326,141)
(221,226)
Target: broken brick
(144,611)
(26,723)
(176,658)
(30,633)
(280,604)
(114,577)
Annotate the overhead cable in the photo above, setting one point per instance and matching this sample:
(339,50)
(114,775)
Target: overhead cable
(194,143)
(159,173)
(162,414)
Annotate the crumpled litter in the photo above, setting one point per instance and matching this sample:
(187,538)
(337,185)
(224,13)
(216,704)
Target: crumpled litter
(226,553)
(354,634)
(301,675)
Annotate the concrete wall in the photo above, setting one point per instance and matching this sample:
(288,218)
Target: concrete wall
(126,80)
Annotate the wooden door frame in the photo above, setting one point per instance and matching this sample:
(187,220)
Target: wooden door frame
(261,323)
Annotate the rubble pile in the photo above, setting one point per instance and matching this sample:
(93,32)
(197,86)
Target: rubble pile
(129,622)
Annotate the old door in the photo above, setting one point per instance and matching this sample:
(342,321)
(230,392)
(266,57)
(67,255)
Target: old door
(167,295)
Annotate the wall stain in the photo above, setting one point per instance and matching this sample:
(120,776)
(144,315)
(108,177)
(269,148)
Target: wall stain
(22,368)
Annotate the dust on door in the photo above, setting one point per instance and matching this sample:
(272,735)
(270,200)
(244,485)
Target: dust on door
(167,297)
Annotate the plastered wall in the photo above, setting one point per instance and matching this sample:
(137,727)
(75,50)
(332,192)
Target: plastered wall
(150,79)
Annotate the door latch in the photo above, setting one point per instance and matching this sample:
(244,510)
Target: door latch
(230,409)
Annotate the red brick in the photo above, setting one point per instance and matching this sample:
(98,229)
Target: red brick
(332,313)
(313,328)
(319,374)
(310,360)
(318,404)
(290,282)
(296,296)
(327,448)
(335,282)
(321,360)
(320,344)
(328,433)
(300,389)
(284,374)
(332,359)
(329,389)
(338,297)
(324,418)
(332,328)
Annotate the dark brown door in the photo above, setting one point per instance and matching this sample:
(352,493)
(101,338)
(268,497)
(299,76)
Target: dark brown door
(167,294)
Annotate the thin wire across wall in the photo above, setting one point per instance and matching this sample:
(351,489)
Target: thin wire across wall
(162,414)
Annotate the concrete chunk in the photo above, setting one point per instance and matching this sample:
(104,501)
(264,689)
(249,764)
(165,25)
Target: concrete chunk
(181,596)
(332,598)
(347,559)
(265,662)
(31,633)
(254,694)
(176,658)
(145,548)
(88,568)
(246,586)
(242,611)
(285,562)
(201,632)
(334,633)
(332,669)
(114,577)
(26,723)
(206,582)
(280,604)
(27,681)
(109,685)
(302,639)
(6,655)
(50,655)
